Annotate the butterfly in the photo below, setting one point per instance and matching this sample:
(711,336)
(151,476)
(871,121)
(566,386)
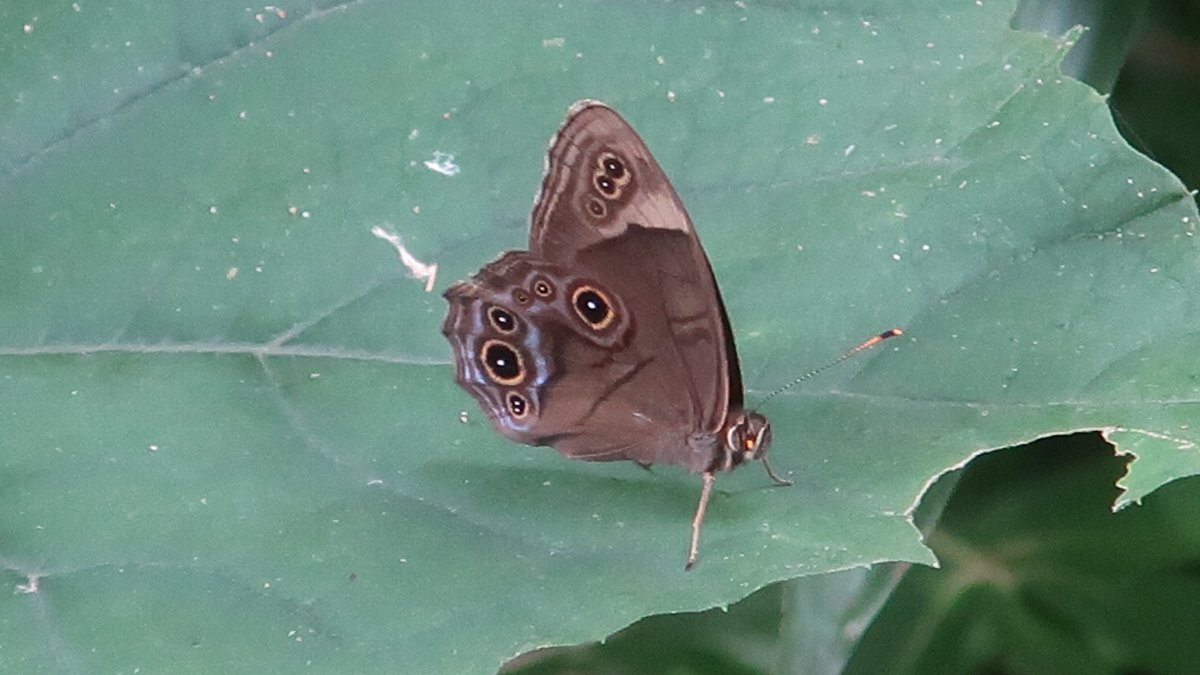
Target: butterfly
(608,339)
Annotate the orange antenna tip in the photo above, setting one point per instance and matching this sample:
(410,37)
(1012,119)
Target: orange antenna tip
(894,332)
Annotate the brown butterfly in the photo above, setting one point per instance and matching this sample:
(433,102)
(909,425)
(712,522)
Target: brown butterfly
(607,339)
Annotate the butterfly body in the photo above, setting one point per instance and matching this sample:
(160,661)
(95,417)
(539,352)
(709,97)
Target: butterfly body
(608,338)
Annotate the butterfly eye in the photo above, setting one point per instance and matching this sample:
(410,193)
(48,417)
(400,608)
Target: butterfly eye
(593,306)
(517,405)
(748,438)
(503,363)
(502,320)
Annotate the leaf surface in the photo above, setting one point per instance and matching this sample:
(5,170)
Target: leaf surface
(232,440)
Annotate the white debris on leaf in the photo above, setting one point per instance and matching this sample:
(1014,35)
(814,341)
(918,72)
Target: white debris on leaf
(443,163)
(416,268)
(31,586)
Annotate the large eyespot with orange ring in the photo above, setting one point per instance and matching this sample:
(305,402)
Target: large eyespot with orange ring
(502,363)
(593,306)
(502,320)
(542,287)
(518,405)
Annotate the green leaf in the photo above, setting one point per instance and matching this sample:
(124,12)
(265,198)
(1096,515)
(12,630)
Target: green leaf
(743,639)
(1036,576)
(231,438)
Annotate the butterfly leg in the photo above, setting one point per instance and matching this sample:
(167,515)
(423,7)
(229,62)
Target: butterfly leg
(771,472)
(705,493)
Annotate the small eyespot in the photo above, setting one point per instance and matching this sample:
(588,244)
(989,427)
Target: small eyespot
(502,363)
(593,306)
(543,289)
(612,166)
(517,405)
(521,296)
(605,185)
(502,320)
(596,207)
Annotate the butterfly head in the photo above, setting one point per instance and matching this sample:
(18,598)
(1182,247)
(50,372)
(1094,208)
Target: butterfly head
(748,437)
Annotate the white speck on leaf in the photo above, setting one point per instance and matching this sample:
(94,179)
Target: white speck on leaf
(443,163)
(31,585)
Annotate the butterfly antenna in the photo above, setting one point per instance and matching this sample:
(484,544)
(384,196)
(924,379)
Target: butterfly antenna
(845,355)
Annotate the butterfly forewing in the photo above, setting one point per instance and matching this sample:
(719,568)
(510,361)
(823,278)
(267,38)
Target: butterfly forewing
(640,239)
